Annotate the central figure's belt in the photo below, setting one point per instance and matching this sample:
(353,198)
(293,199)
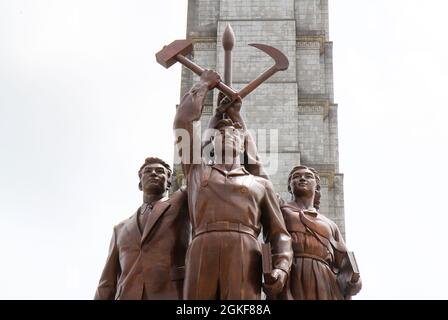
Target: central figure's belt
(225,226)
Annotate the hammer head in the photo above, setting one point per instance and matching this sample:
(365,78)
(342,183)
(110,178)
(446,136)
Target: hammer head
(281,61)
(167,56)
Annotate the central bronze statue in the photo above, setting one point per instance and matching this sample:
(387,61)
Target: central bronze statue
(228,206)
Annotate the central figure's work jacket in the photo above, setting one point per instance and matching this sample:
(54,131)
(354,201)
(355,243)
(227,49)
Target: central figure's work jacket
(227,212)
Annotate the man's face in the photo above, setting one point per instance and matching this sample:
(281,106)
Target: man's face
(227,140)
(154,179)
(303,182)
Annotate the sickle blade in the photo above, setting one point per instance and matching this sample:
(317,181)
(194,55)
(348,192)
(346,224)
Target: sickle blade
(281,61)
(281,64)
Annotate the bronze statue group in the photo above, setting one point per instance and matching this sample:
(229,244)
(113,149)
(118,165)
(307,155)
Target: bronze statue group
(203,243)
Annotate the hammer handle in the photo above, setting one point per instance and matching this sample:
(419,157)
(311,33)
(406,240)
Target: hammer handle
(232,94)
(255,83)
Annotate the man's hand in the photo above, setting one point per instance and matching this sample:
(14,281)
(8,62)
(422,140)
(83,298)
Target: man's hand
(231,108)
(274,283)
(210,78)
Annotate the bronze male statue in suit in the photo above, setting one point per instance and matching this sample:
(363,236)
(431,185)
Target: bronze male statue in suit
(147,251)
(228,206)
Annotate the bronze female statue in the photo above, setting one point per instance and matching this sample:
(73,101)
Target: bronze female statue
(320,255)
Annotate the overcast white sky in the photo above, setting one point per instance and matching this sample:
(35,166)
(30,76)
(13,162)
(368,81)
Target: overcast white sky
(83,102)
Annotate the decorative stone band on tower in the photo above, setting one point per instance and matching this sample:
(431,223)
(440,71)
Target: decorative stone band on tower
(299,102)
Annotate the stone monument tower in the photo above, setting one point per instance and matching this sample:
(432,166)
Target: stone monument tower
(294,112)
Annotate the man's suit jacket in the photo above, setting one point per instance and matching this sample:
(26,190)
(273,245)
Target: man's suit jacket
(153,260)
